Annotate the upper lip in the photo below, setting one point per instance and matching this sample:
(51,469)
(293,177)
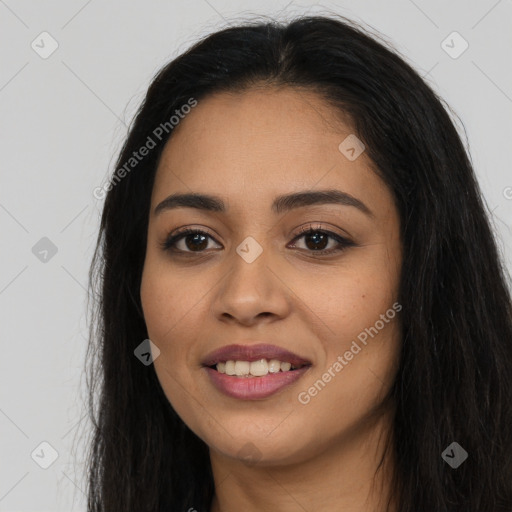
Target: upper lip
(253,353)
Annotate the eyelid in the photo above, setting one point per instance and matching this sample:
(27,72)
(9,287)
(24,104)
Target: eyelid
(320,226)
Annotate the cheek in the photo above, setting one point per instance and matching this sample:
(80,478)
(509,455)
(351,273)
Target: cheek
(168,302)
(176,308)
(170,317)
(360,324)
(358,371)
(165,313)
(352,297)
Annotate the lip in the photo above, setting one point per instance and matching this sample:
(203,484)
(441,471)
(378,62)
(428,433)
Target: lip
(253,353)
(253,388)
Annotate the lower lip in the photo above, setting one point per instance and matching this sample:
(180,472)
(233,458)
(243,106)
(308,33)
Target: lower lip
(254,388)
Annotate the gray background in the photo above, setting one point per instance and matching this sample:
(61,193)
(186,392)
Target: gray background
(63,119)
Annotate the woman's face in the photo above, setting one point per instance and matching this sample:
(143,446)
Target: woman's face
(253,278)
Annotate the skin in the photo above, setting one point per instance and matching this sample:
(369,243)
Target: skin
(248,148)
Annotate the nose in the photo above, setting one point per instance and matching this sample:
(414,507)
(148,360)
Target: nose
(252,292)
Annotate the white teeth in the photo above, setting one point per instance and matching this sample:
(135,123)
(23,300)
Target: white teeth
(242,368)
(274,366)
(258,368)
(229,368)
(285,367)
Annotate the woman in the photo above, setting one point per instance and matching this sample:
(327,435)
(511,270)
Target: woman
(302,306)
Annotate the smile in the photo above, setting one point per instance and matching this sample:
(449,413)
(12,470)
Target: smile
(250,387)
(258,368)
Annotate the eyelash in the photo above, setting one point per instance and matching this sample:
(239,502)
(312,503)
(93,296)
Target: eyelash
(343,243)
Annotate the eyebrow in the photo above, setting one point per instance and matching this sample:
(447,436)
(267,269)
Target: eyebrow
(282,203)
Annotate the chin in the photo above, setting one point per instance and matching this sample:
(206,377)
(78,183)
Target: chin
(260,449)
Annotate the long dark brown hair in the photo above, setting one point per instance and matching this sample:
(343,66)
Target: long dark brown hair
(454,382)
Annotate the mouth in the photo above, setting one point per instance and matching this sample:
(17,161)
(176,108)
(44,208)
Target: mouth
(251,372)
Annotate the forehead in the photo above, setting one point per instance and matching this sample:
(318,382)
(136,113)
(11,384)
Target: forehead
(253,145)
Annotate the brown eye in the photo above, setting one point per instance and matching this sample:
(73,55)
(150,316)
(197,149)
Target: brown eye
(316,240)
(195,240)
